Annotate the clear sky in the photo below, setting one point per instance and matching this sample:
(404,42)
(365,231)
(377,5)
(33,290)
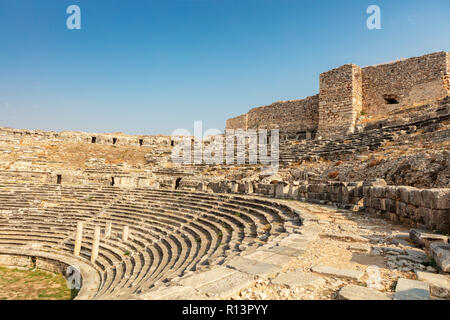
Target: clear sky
(148,67)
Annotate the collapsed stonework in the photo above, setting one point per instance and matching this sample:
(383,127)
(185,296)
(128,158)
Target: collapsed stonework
(349,92)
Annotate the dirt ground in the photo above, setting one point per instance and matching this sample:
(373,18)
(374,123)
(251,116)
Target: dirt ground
(32,284)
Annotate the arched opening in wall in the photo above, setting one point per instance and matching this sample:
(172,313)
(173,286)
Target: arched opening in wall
(177,183)
(58,179)
(93,139)
(172,143)
(390,99)
(141,142)
(114,140)
(112,182)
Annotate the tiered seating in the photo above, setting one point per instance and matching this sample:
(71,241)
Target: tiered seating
(171,232)
(372,138)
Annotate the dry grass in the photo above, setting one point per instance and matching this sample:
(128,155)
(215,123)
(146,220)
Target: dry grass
(32,284)
(74,155)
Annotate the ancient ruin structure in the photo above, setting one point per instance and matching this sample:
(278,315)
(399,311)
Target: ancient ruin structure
(359,208)
(350,91)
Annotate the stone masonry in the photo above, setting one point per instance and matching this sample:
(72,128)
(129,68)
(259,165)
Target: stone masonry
(350,91)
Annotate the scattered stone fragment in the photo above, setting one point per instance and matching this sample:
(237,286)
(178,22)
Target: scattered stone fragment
(361,247)
(254,267)
(206,277)
(298,279)
(340,273)
(439,284)
(352,292)
(441,254)
(288,251)
(425,238)
(345,237)
(411,290)
(227,286)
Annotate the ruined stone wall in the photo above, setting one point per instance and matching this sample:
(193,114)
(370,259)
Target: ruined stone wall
(286,115)
(422,208)
(348,92)
(119,139)
(340,101)
(410,82)
(294,115)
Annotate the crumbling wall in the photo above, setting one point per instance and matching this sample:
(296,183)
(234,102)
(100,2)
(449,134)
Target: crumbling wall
(349,91)
(409,82)
(293,115)
(340,101)
(422,208)
(119,139)
(286,115)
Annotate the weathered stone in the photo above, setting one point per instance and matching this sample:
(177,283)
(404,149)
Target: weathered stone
(174,293)
(407,289)
(228,285)
(345,237)
(436,198)
(425,238)
(352,292)
(269,257)
(439,284)
(441,254)
(254,267)
(414,255)
(206,277)
(287,251)
(298,279)
(339,273)
(362,247)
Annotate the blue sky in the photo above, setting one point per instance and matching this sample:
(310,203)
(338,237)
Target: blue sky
(149,67)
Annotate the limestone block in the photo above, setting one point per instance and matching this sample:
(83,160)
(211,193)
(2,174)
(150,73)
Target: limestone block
(392,192)
(298,279)
(425,238)
(415,197)
(378,192)
(352,292)
(254,267)
(339,273)
(411,290)
(440,220)
(441,254)
(439,284)
(436,198)
(404,193)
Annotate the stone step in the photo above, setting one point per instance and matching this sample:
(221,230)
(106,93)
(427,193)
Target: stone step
(352,292)
(299,279)
(407,289)
(338,273)
(439,284)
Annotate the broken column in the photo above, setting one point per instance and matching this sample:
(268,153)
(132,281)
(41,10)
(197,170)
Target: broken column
(108,229)
(125,233)
(78,238)
(95,244)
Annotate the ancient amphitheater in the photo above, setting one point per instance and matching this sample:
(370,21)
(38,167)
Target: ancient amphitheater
(359,208)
